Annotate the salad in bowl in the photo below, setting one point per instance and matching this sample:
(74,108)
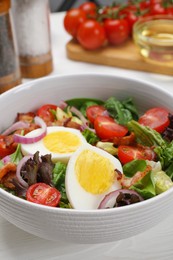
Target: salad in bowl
(86,158)
(86,153)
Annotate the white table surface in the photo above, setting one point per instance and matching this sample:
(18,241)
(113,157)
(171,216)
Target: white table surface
(155,244)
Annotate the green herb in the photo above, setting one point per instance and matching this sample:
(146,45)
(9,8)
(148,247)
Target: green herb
(122,112)
(79,102)
(59,172)
(90,137)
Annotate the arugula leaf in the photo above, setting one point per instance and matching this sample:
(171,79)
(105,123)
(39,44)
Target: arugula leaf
(129,169)
(122,112)
(128,104)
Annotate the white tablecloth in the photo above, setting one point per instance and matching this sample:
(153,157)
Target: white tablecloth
(155,244)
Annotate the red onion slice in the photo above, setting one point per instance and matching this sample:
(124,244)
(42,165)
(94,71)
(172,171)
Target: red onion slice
(82,118)
(110,199)
(19,166)
(62,104)
(15,126)
(29,140)
(6,159)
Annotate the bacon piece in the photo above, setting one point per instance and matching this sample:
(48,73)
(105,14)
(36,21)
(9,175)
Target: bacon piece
(9,167)
(25,117)
(128,182)
(7,180)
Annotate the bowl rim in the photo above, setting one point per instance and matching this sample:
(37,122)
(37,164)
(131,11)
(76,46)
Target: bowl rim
(142,204)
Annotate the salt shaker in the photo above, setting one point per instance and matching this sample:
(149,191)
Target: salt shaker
(9,61)
(31,19)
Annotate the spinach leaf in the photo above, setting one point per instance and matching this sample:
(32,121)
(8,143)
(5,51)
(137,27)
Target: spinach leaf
(79,102)
(129,169)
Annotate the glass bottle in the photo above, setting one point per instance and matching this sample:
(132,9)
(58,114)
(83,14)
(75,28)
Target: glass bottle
(9,61)
(31,18)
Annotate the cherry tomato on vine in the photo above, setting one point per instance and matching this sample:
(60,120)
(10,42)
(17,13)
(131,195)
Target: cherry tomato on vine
(6,145)
(45,112)
(44,194)
(93,111)
(73,19)
(89,8)
(107,128)
(156,118)
(131,19)
(169,10)
(91,35)
(157,9)
(117,30)
(129,153)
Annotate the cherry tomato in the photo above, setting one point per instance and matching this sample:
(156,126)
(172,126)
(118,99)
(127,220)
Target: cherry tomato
(117,30)
(44,194)
(131,19)
(169,10)
(156,118)
(106,128)
(91,35)
(129,153)
(73,19)
(93,111)
(157,9)
(89,8)
(7,145)
(45,112)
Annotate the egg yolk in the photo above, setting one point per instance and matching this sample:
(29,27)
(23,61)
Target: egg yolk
(95,173)
(61,142)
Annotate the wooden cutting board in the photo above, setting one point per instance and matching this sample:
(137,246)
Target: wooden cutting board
(125,56)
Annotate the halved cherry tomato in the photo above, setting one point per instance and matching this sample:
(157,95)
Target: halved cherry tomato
(91,35)
(73,19)
(117,30)
(93,111)
(129,153)
(106,128)
(7,145)
(156,118)
(44,194)
(89,8)
(45,112)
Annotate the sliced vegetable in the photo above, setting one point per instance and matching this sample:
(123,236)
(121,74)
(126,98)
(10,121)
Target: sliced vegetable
(129,153)
(107,128)
(120,198)
(45,112)
(156,118)
(16,126)
(93,111)
(30,140)
(44,194)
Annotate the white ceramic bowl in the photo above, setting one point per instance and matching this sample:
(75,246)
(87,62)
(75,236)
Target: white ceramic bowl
(92,226)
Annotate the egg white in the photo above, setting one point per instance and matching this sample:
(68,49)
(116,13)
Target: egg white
(39,146)
(78,197)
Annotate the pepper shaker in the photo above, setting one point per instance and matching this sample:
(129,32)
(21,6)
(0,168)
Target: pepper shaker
(31,19)
(9,61)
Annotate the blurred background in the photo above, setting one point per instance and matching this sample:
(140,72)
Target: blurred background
(63,5)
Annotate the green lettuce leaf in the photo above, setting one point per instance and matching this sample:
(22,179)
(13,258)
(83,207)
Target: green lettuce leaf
(129,169)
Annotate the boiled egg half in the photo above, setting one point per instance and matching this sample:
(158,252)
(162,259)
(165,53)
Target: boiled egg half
(91,174)
(60,141)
